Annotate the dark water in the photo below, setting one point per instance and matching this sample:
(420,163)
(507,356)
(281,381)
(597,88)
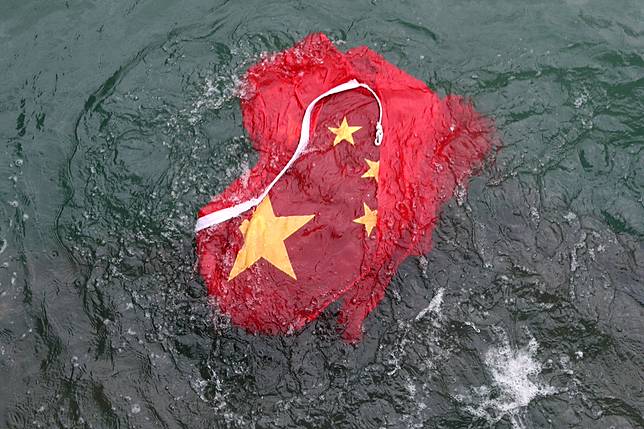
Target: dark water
(118,120)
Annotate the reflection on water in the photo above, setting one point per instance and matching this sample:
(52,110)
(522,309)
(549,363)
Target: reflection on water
(119,120)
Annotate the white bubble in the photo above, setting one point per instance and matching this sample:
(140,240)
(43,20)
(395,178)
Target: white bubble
(579,101)
(570,216)
(514,374)
(434,305)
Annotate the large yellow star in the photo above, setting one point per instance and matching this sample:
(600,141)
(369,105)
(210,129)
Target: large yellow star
(264,237)
(343,132)
(374,169)
(369,219)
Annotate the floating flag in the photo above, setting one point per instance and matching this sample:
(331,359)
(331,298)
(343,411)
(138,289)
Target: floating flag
(355,159)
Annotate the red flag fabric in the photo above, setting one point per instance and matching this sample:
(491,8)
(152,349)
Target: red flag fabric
(347,212)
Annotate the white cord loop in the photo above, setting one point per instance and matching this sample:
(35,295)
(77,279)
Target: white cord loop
(223,215)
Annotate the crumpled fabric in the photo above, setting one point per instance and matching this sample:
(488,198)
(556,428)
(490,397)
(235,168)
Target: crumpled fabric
(430,146)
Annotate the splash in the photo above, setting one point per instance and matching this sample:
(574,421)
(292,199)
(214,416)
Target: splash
(434,305)
(515,383)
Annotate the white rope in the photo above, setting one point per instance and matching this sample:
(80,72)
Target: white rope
(223,215)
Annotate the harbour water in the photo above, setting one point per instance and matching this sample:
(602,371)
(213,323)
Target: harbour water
(119,119)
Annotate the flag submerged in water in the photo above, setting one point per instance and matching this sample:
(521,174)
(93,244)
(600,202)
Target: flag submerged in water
(355,159)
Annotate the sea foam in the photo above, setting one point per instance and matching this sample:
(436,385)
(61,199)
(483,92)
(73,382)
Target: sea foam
(515,383)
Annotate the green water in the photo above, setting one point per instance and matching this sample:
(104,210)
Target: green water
(118,120)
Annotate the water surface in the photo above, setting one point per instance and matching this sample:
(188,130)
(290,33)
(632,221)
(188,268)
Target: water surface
(118,120)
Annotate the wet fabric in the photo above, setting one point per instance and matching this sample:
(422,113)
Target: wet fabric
(341,220)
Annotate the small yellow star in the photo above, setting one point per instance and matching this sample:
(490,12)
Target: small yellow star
(264,237)
(374,169)
(369,219)
(344,132)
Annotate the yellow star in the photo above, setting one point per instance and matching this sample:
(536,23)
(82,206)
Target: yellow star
(343,132)
(264,237)
(369,219)
(374,169)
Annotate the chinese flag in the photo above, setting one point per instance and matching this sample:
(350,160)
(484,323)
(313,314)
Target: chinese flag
(342,217)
